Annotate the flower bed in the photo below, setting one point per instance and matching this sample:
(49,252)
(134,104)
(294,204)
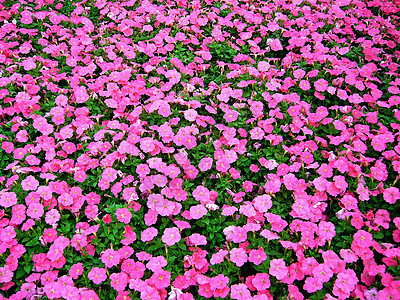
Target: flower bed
(199,149)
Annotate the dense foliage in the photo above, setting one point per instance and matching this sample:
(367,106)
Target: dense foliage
(199,149)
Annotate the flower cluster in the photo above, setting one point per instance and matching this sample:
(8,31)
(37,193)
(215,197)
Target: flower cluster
(199,149)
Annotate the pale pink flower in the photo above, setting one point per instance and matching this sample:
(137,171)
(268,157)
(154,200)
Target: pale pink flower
(278,268)
(197,211)
(190,115)
(148,234)
(35,210)
(238,256)
(171,236)
(29,183)
(97,275)
(123,215)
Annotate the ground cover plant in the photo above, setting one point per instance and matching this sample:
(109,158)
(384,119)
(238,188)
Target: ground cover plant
(199,149)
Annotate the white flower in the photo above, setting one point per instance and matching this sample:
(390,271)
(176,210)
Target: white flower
(174,294)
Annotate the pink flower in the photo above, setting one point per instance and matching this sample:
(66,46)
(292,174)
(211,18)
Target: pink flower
(262,203)
(278,268)
(345,283)
(219,282)
(322,272)
(248,186)
(29,64)
(171,236)
(80,176)
(97,275)
(349,202)
(326,230)
(49,235)
(321,85)
(312,284)
(254,168)
(222,165)
(197,211)
(348,255)
(257,256)
(110,258)
(363,239)
(29,183)
(305,85)
(205,164)
(156,263)
(35,210)
(263,66)
(7,234)
(161,278)
(391,195)
(218,257)
(148,234)
(8,147)
(238,256)
(240,292)
(26,17)
(5,274)
(201,193)
(123,215)
(261,281)
(52,216)
(79,241)
(119,281)
(142,170)
(234,173)
(275,44)
(8,199)
(109,175)
(22,136)
(257,133)
(76,270)
(190,115)
(197,239)
(231,116)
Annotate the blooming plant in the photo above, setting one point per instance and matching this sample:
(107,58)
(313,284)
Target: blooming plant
(199,149)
